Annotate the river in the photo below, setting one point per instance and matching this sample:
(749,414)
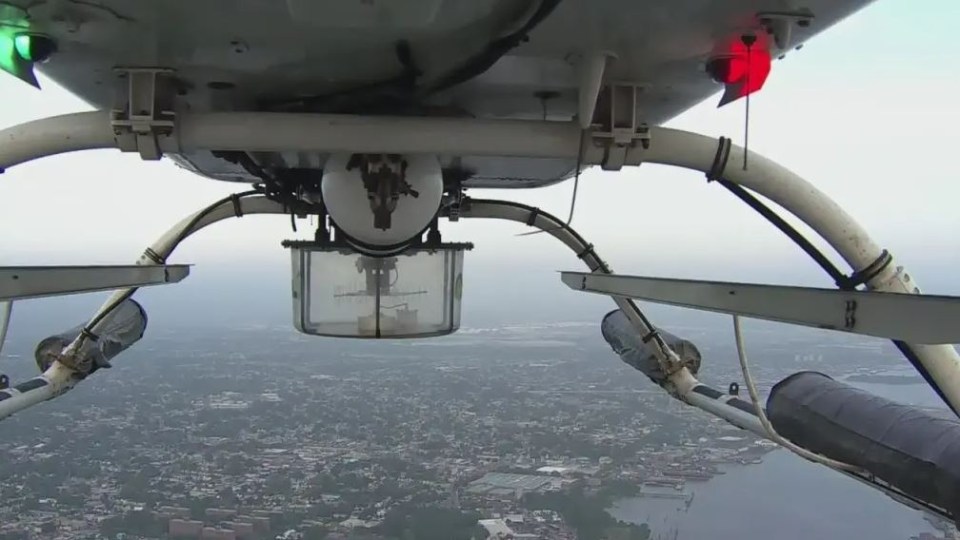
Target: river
(786,498)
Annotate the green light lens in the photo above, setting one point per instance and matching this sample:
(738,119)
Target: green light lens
(24,45)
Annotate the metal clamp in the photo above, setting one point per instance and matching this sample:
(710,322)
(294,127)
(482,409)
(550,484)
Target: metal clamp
(617,128)
(147,113)
(780,23)
(456,203)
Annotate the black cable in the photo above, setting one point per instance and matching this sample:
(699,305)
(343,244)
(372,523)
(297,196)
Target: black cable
(87,331)
(246,162)
(206,211)
(399,92)
(843,282)
(914,360)
(838,277)
(537,212)
(588,251)
(494,51)
(366,98)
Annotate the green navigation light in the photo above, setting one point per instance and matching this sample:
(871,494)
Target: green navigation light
(36,48)
(12,60)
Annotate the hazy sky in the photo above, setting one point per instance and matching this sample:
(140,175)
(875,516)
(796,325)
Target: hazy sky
(867,111)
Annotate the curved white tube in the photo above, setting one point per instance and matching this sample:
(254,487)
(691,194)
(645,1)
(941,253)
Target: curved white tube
(813,207)
(55,135)
(669,361)
(60,378)
(165,245)
(775,182)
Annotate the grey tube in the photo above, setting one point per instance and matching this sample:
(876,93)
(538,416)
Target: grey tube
(907,447)
(623,338)
(123,327)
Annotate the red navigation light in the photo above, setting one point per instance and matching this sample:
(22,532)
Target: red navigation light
(726,69)
(742,70)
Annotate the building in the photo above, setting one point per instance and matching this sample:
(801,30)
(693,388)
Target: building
(244,531)
(497,529)
(507,485)
(180,528)
(170,512)
(219,514)
(261,524)
(209,533)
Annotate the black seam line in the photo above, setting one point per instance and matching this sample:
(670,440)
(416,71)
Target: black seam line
(237,209)
(153,256)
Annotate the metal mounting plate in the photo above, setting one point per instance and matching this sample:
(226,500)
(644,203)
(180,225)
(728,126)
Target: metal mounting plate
(909,317)
(20,282)
(147,112)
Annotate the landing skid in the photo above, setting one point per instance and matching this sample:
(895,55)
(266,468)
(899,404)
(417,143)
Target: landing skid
(159,133)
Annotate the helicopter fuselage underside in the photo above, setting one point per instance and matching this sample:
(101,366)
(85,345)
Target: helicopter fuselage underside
(486,59)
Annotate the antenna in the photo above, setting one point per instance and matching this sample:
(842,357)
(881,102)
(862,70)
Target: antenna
(573,198)
(748,41)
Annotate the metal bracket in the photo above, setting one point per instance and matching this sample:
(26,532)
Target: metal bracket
(617,127)
(456,199)
(779,24)
(147,113)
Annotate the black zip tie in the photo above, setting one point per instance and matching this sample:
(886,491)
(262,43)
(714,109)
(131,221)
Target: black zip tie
(587,251)
(86,333)
(153,256)
(237,210)
(646,339)
(864,275)
(532,218)
(720,159)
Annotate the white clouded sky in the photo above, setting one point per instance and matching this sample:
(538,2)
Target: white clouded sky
(867,111)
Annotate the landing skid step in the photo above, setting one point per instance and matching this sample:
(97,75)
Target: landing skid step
(22,282)
(913,318)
